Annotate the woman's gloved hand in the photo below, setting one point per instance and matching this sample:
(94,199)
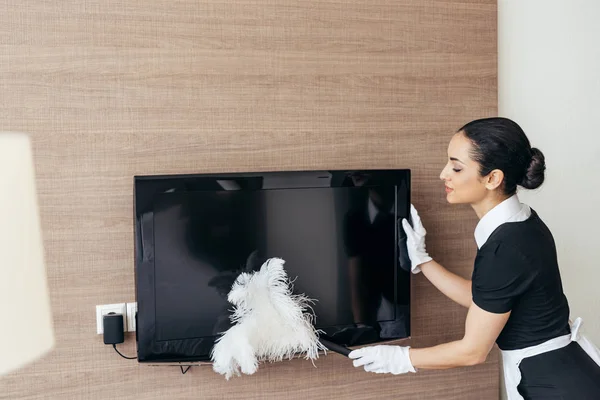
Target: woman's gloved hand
(415,240)
(383,359)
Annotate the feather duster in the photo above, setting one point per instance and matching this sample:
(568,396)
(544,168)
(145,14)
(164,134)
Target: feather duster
(270,323)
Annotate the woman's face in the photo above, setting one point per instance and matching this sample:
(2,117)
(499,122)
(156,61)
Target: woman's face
(461,174)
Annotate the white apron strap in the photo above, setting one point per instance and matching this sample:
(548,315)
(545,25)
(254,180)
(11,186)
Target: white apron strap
(584,342)
(511,359)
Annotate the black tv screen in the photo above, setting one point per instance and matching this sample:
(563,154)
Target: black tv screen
(336,230)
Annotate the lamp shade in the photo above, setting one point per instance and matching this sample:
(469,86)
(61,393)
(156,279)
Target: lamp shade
(25,316)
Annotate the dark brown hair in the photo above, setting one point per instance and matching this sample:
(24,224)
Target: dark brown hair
(500,143)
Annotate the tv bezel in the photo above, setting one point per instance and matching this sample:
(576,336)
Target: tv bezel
(145,269)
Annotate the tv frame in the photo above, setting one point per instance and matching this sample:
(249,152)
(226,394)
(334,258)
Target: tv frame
(144,268)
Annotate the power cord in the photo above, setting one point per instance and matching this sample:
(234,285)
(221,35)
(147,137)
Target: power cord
(186,370)
(118,352)
(113,334)
(113,331)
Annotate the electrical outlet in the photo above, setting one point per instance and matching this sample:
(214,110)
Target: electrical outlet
(131,310)
(105,309)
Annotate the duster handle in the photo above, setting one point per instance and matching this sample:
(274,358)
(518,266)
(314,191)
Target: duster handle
(335,347)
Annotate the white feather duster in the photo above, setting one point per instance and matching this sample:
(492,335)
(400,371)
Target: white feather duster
(270,323)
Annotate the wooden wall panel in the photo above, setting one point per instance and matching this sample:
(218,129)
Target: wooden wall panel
(113,88)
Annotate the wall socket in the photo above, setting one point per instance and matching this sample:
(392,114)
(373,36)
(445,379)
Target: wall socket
(128,310)
(105,309)
(131,320)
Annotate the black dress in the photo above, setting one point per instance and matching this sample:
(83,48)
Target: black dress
(517,270)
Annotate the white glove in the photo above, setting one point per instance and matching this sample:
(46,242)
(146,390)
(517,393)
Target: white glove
(415,240)
(383,359)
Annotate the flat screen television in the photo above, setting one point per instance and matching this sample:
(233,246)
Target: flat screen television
(336,230)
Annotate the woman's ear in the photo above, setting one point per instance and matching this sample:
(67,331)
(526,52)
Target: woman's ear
(494,179)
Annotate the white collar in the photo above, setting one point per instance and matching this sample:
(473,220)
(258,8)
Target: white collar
(510,210)
(373,210)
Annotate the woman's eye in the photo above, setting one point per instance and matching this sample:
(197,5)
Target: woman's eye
(456,169)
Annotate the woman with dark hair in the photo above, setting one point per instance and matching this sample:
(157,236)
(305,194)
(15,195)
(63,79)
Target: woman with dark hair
(515,296)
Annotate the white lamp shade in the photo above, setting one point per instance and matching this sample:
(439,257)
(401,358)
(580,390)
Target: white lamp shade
(26,330)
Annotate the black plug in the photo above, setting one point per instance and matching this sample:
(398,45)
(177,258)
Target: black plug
(113,328)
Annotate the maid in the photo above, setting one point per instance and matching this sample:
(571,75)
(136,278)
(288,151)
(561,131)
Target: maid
(515,296)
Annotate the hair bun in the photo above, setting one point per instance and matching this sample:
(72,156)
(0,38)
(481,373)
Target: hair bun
(534,177)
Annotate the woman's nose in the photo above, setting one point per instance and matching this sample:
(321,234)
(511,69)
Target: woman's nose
(443,174)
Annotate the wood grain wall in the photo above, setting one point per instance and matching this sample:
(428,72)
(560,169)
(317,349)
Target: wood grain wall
(113,88)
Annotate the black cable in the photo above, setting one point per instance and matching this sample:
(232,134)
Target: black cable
(129,358)
(186,370)
(133,358)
